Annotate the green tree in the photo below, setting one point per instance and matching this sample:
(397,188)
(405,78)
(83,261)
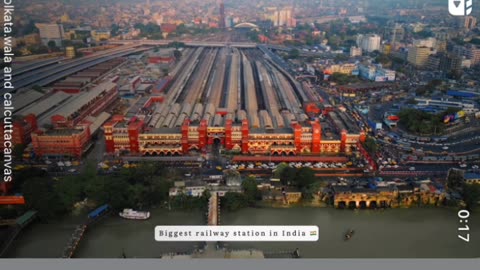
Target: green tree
(287,176)
(18,150)
(341,57)
(251,191)
(114,191)
(149,30)
(279,170)
(51,44)
(304,177)
(253,36)
(293,54)
(233,201)
(70,190)
(30,28)
(114,30)
(370,145)
(455,74)
(383,59)
(342,79)
(471,195)
(177,54)
(475,41)
(421,122)
(455,179)
(40,195)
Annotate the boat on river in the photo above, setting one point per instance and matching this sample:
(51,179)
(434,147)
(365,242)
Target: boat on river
(349,234)
(132,214)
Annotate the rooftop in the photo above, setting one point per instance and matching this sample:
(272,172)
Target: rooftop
(24,98)
(63,131)
(40,107)
(81,100)
(471,176)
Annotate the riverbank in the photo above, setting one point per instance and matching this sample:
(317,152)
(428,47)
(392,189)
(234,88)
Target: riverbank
(396,233)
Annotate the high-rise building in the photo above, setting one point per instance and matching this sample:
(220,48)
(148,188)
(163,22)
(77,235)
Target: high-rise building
(433,62)
(355,51)
(397,33)
(430,42)
(470,22)
(418,56)
(473,53)
(222,15)
(285,17)
(281,17)
(450,62)
(369,43)
(51,32)
(441,46)
(442,35)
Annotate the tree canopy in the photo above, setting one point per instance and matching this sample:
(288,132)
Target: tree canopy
(421,122)
(149,30)
(250,189)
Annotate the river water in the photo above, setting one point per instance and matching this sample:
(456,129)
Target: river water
(391,233)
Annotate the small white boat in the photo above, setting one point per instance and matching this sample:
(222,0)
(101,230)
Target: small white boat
(132,214)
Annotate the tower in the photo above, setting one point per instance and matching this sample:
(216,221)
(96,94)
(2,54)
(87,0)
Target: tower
(222,15)
(394,39)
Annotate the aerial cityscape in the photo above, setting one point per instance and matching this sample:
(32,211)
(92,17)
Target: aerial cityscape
(359,117)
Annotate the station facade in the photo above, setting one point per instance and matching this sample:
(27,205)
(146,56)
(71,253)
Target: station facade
(133,137)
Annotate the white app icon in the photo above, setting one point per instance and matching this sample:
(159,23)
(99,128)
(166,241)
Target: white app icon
(460,7)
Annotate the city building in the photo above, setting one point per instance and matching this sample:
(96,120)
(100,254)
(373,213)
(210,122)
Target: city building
(386,48)
(135,137)
(194,191)
(395,34)
(21,130)
(66,122)
(369,43)
(430,42)
(51,32)
(168,27)
(346,68)
(367,71)
(161,57)
(70,52)
(442,104)
(383,75)
(355,51)
(92,102)
(376,73)
(472,178)
(433,62)
(30,39)
(61,142)
(473,53)
(357,19)
(465,63)
(449,62)
(134,83)
(470,51)
(100,35)
(418,56)
(470,22)
(280,16)
(441,46)
(222,15)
